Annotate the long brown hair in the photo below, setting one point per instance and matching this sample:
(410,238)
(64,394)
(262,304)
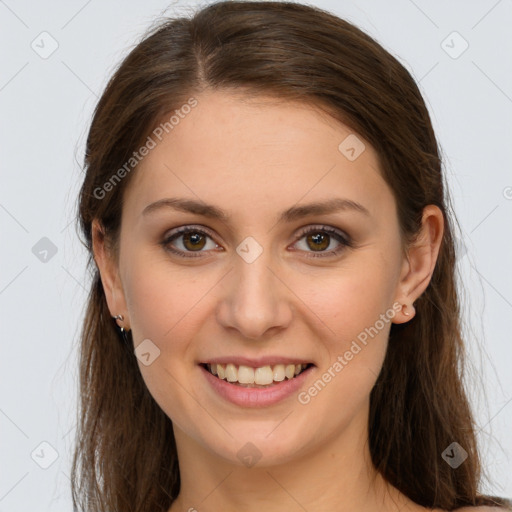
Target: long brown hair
(125,457)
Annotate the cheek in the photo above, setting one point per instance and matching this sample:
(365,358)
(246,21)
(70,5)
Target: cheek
(163,300)
(357,308)
(355,302)
(164,308)
(350,299)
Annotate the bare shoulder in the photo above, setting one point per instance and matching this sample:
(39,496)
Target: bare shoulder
(483,508)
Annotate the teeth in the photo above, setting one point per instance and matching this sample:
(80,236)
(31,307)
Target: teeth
(245,375)
(231,373)
(289,371)
(263,376)
(279,372)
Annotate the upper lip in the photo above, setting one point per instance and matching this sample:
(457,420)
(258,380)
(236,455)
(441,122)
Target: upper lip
(256,362)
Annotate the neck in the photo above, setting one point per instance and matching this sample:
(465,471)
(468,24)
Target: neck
(336,476)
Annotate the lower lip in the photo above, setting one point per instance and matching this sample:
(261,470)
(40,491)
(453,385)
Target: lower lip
(256,397)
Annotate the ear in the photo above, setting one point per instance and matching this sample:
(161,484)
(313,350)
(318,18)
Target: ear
(109,273)
(419,262)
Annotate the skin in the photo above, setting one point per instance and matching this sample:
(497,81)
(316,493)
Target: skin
(254,159)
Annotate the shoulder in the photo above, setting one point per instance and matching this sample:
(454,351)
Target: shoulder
(484,508)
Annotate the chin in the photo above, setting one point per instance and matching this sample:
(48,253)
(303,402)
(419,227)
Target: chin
(263,444)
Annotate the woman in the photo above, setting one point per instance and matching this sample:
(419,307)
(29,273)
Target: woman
(273,320)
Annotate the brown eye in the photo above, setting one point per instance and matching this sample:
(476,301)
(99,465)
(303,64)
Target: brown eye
(319,238)
(318,241)
(194,241)
(188,240)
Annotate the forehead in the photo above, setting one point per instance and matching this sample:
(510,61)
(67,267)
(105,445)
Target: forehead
(244,153)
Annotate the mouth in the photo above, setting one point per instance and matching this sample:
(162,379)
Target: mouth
(260,377)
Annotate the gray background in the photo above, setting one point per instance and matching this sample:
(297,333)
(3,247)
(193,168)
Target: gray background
(46,104)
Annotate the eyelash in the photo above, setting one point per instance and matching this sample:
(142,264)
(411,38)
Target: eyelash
(344,240)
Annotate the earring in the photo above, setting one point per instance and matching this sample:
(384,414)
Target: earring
(405,312)
(123,331)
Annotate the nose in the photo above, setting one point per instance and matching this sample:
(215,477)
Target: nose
(254,299)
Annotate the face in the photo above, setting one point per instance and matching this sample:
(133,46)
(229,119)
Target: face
(271,283)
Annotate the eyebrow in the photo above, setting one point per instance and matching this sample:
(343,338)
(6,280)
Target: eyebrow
(291,214)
